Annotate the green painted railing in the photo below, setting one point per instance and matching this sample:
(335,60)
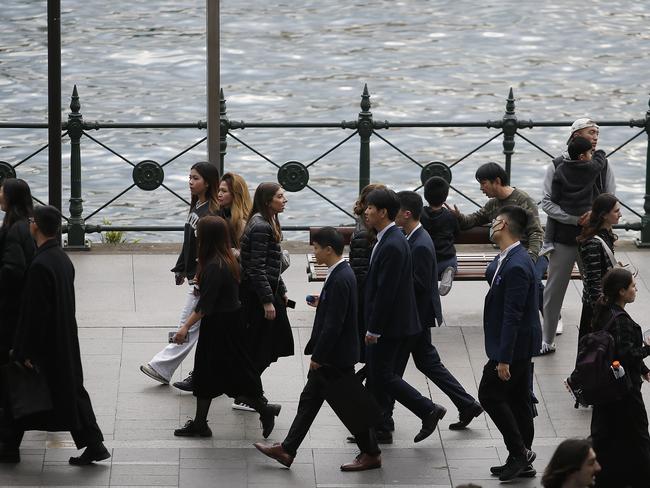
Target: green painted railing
(148,175)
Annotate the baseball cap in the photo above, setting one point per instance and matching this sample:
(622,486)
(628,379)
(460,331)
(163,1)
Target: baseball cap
(582,123)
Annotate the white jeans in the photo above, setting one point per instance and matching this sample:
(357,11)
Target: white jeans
(171,357)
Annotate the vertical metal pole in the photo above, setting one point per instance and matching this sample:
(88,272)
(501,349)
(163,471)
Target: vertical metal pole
(213,83)
(223,134)
(76,224)
(54,101)
(365,131)
(645,220)
(509,131)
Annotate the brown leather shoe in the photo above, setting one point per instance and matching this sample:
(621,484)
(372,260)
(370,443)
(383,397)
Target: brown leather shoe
(275,451)
(363,462)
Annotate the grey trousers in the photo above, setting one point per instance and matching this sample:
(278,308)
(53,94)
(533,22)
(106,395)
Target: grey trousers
(561,261)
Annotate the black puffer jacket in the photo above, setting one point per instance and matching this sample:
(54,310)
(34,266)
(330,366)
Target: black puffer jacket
(360,251)
(261,258)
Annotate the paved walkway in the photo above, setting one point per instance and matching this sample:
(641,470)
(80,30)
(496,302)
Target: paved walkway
(127,303)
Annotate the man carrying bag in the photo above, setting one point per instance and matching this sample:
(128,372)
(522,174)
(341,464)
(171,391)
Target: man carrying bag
(334,349)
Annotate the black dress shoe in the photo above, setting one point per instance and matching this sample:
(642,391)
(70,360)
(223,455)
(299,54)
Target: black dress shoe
(466,416)
(192,429)
(9,456)
(430,422)
(382,436)
(186,384)
(267,417)
(90,455)
(516,465)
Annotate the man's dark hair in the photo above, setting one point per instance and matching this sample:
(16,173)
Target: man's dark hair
(384,198)
(517,219)
(329,236)
(436,190)
(578,146)
(411,201)
(48,219)
(490,172)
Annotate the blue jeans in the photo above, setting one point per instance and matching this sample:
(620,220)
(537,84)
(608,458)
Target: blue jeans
(443,264)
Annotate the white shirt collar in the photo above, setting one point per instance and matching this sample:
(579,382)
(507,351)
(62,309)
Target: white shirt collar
(381,233)
(331,268)
(413,231)
(504,253)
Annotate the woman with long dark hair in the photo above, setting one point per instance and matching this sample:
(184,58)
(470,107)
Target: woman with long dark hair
(204,186)
(573,465)
(619,430)
(235,204)
(263,293)
(16,252)
(596,251)
(221,366)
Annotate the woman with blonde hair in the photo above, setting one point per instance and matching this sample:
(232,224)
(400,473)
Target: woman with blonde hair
(235,203)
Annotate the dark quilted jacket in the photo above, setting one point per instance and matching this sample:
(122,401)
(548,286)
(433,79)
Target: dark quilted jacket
(360,250)
(261,259)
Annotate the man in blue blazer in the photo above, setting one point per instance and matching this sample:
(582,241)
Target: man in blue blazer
(334,349)
(425,279)
(513,336)
(391,317)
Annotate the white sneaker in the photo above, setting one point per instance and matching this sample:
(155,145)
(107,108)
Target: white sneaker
(446,280)
(547,348)
(240,405)
(153,374)
(560,327)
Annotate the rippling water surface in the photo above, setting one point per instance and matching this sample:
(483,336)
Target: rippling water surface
(308,61)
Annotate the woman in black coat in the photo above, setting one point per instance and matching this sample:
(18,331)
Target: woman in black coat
(619,430)
(221,365)
(596,250)
(263,294)
(16,252)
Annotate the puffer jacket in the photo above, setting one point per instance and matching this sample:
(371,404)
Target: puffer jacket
(261,258)
(360,251)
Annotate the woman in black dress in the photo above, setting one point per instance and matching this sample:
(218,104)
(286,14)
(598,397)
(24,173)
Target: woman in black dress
(619,429)
(16,252)
(221,366)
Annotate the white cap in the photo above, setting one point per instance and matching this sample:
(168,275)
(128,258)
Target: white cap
(582,123)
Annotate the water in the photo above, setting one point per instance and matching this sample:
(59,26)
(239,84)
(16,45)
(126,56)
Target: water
(308,61)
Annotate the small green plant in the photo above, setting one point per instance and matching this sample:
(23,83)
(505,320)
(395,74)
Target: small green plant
(112,236)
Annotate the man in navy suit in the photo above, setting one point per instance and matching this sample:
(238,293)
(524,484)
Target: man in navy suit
(391,316)
(334,349)
(425,279)
(513,336)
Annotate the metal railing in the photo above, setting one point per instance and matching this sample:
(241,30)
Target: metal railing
(149,175)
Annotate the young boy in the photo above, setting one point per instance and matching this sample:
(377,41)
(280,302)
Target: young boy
(443,228)
(574,181)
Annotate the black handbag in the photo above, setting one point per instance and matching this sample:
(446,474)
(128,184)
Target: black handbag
(352,403)
(27,390)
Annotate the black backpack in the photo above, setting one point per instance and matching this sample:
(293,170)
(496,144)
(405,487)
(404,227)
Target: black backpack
(592,382)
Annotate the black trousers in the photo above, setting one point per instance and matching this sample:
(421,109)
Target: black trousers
(619,432)
(382,364)
(311,401)
(509,405)
(586,317)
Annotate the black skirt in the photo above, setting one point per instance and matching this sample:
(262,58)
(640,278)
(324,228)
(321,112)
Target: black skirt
(221,364)
(266,340)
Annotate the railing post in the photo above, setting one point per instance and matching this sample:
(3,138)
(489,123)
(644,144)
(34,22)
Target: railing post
(76,225)
(223,133)
(365,131)
(645,220)
(509,131)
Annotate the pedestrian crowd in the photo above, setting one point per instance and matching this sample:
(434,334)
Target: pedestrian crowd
(375,309)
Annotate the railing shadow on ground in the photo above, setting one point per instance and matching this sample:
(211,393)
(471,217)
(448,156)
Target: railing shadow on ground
(148,175)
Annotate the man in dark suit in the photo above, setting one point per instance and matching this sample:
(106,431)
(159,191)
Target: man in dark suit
(334,349)
(513,336)
(392,321)
(425,280)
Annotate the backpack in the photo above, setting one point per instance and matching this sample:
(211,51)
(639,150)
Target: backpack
(592,382)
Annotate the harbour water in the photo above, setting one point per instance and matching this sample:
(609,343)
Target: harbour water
(308,61)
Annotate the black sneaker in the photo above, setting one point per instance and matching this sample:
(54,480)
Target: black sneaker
(516,465)
(190,429)
(529,472)
(186,384)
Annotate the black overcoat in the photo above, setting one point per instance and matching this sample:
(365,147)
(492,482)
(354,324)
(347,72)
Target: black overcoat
(47,335)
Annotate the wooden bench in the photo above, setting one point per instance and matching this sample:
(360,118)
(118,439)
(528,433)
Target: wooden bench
(471,265)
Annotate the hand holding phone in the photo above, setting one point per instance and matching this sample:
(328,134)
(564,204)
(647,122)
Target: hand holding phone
(312,300)
(291,303)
